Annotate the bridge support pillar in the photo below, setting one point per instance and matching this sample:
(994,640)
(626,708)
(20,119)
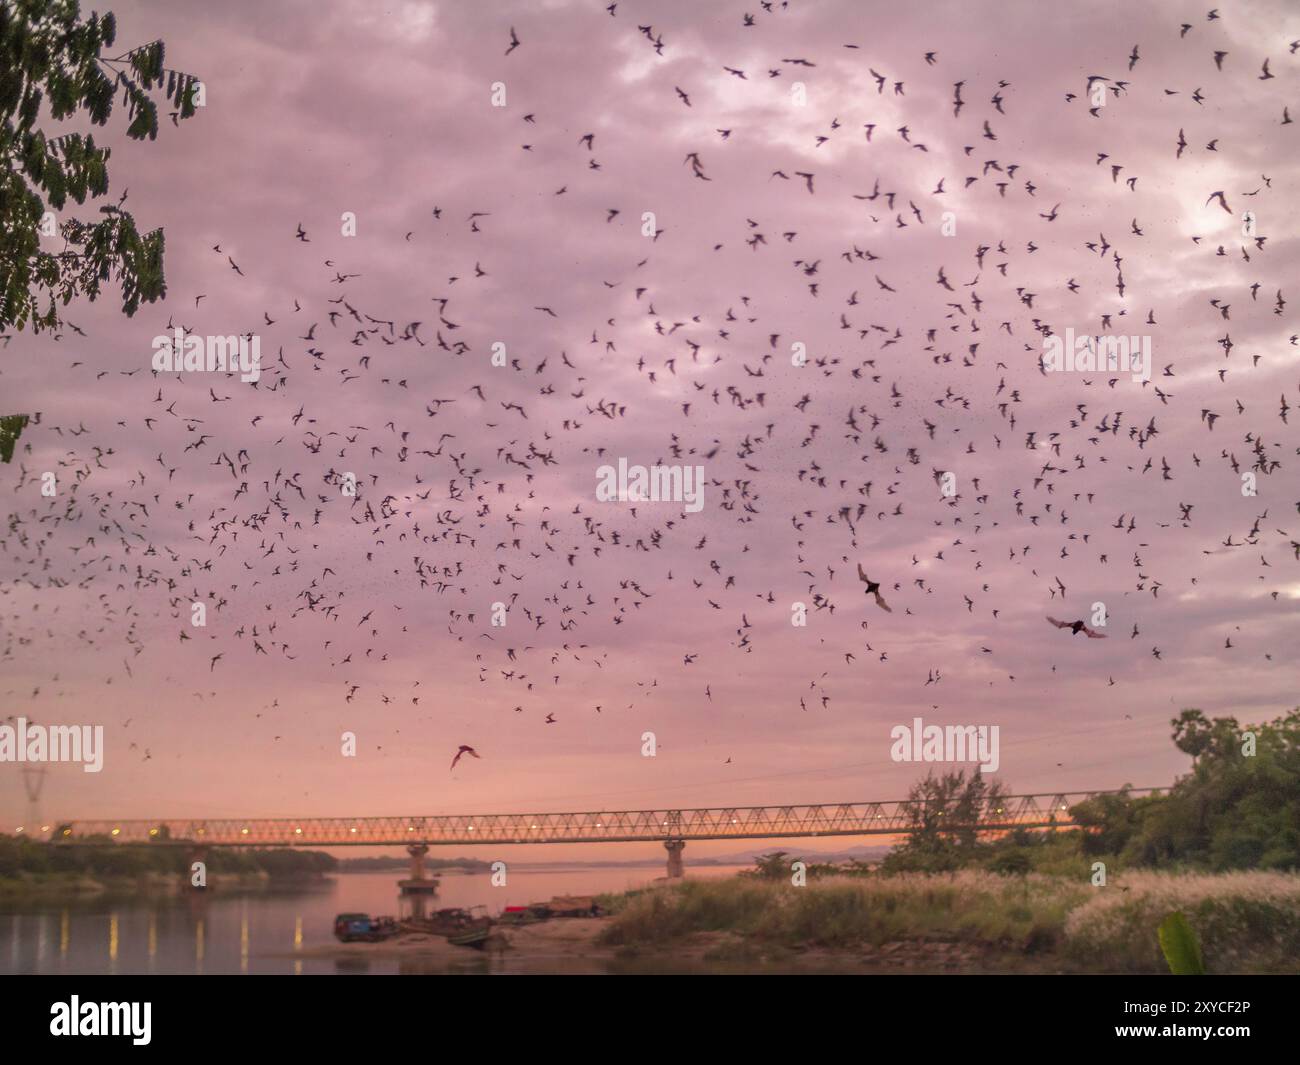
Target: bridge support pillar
(417,851)
(419,888)
(674,847)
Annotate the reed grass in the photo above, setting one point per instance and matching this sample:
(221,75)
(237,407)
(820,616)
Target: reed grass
(1247,922)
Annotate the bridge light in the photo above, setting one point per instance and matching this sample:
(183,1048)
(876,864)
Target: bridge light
(353,828)
(199,832)
(67,831)
(244,831)
(19,829)
(534,826)
(153,832)
(471,828)
(297,831)
(115,831)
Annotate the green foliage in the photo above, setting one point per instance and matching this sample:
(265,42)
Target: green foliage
(20,856)
(772,866)
(1233,811)
(283,862)
(1180,946)
(383,863)
(944,809)
(1012,863)
(1246,922)
(51,69)
(971,907)
(11,427)
(776,865)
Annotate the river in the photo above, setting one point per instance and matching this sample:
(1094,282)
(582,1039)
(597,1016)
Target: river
(261,932)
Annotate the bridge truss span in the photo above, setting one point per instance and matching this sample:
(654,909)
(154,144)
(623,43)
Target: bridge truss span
(608,826)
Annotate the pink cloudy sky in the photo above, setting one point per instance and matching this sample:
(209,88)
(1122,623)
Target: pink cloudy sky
(316,109)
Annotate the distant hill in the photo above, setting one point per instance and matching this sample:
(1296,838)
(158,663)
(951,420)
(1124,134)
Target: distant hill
(859,853)
(383,864)
(746,857)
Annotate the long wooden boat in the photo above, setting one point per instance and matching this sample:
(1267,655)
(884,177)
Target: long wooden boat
(475,936)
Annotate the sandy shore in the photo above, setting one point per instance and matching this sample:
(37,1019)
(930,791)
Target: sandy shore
(569,945)
(566,940)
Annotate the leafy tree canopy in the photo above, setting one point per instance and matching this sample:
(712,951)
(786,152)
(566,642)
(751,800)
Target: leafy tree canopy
(943,809)
(53,68)
(1238,808)
(11,427)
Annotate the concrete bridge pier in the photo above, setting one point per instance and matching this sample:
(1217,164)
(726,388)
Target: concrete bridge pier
(417,851)
(674,847)
(414,893)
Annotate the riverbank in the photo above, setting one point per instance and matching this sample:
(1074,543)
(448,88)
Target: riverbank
(978,921)
(582,945)
(47,887)
(967,922)
(570,944)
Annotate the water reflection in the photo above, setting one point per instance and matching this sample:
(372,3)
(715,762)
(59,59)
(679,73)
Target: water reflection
(276,931)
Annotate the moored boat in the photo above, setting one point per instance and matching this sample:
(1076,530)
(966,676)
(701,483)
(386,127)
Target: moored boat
(476,935)
(361,927)
(442,922)
(517,915)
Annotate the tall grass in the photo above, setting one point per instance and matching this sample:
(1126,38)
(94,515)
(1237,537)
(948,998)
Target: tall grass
(1246,922)
(1025,913)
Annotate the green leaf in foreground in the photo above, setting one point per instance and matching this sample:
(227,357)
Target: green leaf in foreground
(1181,949)
(11,427)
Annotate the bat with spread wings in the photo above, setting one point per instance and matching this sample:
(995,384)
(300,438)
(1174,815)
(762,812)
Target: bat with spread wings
(1077,627)
(873,589)
(464,749)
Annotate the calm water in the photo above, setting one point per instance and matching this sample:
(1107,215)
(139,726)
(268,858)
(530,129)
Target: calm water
(260,933)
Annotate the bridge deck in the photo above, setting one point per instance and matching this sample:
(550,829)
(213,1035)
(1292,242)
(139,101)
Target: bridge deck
(609,826)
